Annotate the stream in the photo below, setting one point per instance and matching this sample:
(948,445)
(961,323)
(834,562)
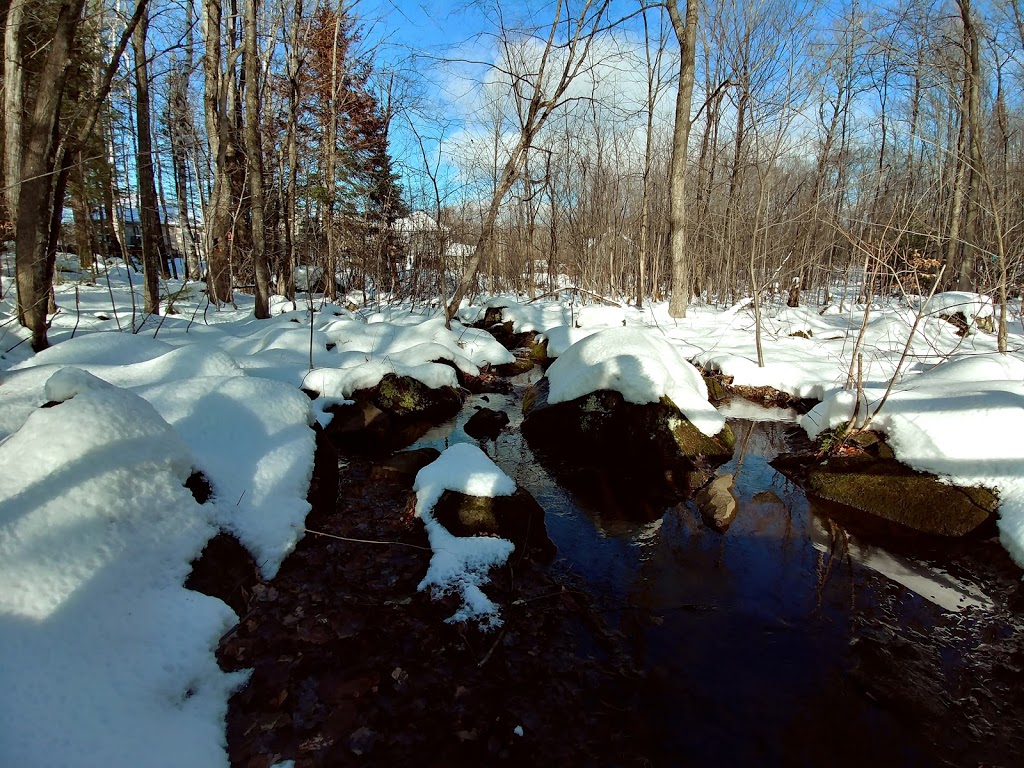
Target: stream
(786,640)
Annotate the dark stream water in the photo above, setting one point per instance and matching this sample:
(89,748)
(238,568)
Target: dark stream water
(785,641)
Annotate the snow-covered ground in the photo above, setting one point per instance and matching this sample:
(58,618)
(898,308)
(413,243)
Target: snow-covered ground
(108,660)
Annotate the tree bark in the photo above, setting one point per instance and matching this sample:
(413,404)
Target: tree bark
(80,211)
(218,214)
(686,35)
(14,106)
(149,214)
(286,277)
(33,258)
(254,162)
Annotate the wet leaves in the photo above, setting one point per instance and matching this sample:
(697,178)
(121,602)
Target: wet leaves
(354,666)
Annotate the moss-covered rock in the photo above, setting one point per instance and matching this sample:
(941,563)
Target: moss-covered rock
(716,389)
(689,440)
(404,396)
(521,365)
(518,518)
(885,488)
(539,350)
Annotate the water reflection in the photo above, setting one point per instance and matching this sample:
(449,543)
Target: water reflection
(933,584)
(750,636)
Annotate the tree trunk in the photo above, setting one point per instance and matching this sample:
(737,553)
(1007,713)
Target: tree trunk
(80,211)
(254,163)
(14,106)
(33,259)
(218,214)
(686,35)
(149,214)
(974,131)
(286,278)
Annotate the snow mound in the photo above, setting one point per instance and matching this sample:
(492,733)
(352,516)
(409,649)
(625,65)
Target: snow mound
(973,305)
(251,438)
(103,348)
(642,366)
(460,564)
(108,660)
(561,337)
(353,373)
(480,346)
(600,316)
(539,316)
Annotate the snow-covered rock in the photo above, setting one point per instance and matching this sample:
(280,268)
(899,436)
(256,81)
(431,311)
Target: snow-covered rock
(459,564)
(641,365)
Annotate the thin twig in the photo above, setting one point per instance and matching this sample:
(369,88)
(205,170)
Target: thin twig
(367,541)
(494,645)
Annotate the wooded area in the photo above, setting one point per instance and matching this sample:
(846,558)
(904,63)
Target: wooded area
(252,142)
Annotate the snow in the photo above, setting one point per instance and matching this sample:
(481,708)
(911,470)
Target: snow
(955,422)
(108,660)
(974,306)
(460,564)
(250,437)
(99,636)
(641,365)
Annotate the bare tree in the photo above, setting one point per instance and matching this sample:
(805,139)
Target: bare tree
(47,159)
(149,215)
(538,93)
(254,160)
(685,28)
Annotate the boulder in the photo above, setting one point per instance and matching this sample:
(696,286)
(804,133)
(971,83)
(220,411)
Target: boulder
(362,427)
(602,428)
(403,466)
(199,484)
(518,518)
(523,364)
(716,389)
(502,330)
(717,504)
(404,396)
(538,350)
(491,379)
(323,485)
(884,488)
(225,570)
(486,424)
(358,422)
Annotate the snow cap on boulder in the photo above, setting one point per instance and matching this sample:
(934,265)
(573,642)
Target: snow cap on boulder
(641,365)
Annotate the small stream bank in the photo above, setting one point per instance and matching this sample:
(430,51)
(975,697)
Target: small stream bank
(652,639)
(787,638)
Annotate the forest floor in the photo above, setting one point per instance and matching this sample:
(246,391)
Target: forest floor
(352,665)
